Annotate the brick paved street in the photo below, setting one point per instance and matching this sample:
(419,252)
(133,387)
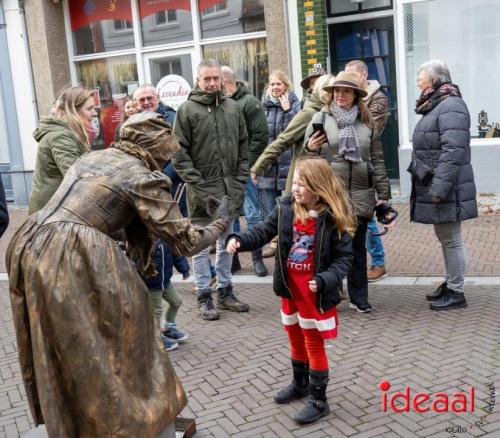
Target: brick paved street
(230,368)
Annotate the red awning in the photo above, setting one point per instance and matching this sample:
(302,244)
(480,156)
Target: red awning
(205,4)
(84,12)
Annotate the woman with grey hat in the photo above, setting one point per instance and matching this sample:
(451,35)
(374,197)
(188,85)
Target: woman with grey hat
(443,191)
(90,357)
(344,134)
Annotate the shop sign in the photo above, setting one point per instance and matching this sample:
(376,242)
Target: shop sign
(173,90)
(84,12)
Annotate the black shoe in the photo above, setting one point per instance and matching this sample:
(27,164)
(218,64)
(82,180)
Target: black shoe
(258,264)
(300,384)
(450,300)
(206,306)
(317,406)
(235,265)
(438,293)
(227,300)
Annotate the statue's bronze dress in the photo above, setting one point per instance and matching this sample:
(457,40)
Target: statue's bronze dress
(90,353)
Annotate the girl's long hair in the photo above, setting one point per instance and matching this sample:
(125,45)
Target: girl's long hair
(321,180)
(67,105)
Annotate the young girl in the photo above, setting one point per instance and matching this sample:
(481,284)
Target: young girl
(314,227)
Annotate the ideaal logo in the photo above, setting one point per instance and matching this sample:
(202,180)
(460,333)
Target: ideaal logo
(424,402)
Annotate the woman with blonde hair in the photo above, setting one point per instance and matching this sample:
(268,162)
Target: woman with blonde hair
(62,138)
(314,226)
(344,134)
(280,104)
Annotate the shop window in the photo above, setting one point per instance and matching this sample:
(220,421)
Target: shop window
(230,17)
(464,41)
(121,25)
(165,22)
(222,6)
(112,78)
(247,58)
(344,7)
(100,26)
(166,17)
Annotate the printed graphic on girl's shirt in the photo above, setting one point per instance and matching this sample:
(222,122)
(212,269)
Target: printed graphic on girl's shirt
(301,253)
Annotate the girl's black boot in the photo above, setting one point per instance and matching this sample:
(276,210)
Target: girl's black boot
(317,405)
(299,386)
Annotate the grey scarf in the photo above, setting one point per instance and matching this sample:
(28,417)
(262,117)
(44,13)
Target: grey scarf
(348,136)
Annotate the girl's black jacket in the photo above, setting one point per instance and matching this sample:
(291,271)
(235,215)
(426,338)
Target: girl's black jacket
(332,253)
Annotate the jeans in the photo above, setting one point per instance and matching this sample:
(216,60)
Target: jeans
(357,281)
(171,296)
(267,200)
(455,259)
(223,261)
(374,244)
(250,207)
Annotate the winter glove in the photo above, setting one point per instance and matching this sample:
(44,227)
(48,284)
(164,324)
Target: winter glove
(218,209)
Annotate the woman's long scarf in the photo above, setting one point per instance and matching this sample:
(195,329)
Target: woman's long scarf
(434,95)
(348,136)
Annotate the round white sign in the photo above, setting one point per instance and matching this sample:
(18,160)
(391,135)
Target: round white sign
(173,90)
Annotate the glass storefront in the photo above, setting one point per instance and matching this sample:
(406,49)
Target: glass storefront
(464,34)
(100,26)
(247,58)
(165,22)
(229,17)
(112,78)
(98,29)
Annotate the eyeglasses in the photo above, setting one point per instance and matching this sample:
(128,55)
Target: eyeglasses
(145,99)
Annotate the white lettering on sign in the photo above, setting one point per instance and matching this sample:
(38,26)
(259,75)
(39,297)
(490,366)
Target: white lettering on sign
(173,90)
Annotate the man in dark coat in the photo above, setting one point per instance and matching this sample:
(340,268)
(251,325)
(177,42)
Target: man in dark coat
(213,160)
(147,100)
(443,189)
(256,125)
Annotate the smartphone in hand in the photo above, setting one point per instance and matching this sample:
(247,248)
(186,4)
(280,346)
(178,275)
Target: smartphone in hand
(318,127)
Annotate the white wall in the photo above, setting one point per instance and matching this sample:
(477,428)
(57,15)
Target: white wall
(17,40)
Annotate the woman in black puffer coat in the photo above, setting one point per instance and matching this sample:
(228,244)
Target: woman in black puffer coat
(443,189)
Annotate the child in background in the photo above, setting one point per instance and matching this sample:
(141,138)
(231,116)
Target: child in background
(161,288)
(314,226)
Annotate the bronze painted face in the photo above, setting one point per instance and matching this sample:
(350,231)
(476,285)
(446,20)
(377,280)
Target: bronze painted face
(151,132)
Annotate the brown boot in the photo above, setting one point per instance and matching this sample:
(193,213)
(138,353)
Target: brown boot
(376,273)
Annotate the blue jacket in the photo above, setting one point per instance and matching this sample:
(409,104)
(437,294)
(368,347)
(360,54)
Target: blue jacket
(164,262)
(277,121)
(167,113)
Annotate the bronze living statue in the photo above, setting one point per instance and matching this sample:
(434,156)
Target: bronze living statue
(91,360)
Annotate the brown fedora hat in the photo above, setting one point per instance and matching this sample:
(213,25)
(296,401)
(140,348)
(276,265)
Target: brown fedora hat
(315,72)
(348,79)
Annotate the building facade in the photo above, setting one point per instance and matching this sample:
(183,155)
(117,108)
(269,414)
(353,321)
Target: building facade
(111,46)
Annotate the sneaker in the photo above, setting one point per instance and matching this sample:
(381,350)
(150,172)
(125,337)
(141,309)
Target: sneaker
(227,300)
(376,273)
(168,344)
(450,300)
(361,308)
(171,331)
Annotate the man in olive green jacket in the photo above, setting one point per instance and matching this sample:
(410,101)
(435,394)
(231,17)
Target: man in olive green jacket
(213,160)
